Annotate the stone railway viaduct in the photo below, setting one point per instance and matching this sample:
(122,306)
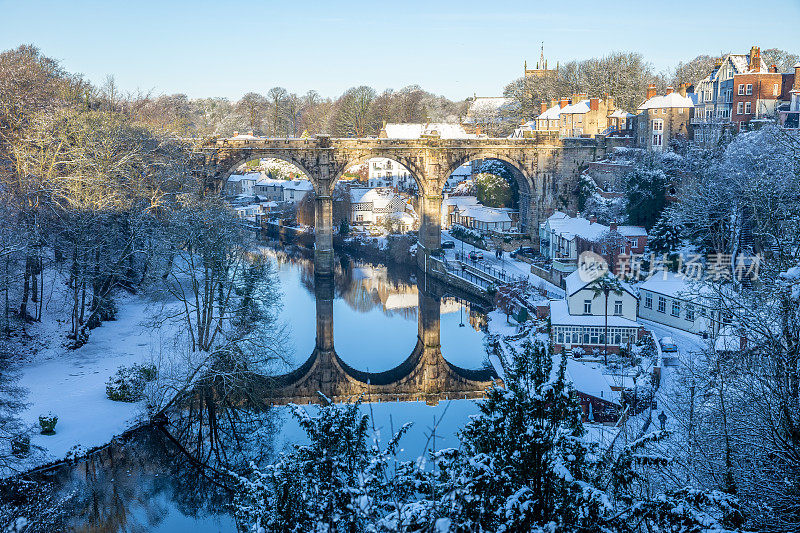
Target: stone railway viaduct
(546,170)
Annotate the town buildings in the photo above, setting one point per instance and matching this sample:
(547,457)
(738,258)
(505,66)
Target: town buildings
(715,93)
(579,319)
(468,212)
(563,238)
(383,172)
(585,116)
(759,95)
(241,184)
(664,118)
(790,116)
(371,206)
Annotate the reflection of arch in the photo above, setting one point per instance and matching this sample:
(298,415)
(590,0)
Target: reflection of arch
(423,375)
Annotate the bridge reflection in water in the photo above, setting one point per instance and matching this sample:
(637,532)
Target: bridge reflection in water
(423,376)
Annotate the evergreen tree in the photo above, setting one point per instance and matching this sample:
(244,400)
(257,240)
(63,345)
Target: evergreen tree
(524,465)
(665,237)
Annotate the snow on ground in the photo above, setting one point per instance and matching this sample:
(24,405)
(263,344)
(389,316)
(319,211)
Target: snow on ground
(71,383)
(507,263)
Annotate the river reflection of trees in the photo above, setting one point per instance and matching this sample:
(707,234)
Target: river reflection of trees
(126,487)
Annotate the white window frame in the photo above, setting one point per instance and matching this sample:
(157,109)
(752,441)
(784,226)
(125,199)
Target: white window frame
(662,304)
(741,89)
(748,108)
(618,307)
(740,108)
(749,89)
(587,307)
(648,301)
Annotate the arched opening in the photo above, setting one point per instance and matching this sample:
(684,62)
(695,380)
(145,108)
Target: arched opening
(382,194)
(262,188)
(485,216)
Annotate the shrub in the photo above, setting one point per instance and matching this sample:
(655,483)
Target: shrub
(48,423)
(127,385)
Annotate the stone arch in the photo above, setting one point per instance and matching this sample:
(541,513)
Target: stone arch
(405,162)
(526,184)
(241,158)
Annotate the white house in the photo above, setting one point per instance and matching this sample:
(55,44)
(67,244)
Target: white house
(270,188)
(384,172)
(295,190)
(579,319)
(482,218)
(676,301)
(242,184)
(370,206)
(449,205)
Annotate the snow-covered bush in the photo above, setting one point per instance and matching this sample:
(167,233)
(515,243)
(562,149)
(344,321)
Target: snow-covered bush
(127,385)
(48,423)
(467,234)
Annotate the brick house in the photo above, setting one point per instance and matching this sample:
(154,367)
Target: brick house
(615,245)
(585,116)
(758,95)
(664,118)
(790,116)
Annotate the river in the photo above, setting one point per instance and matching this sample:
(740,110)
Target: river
(379,320)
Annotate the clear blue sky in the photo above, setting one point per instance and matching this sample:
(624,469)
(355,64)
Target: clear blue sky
(454,48)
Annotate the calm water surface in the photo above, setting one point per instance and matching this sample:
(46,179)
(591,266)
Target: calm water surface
(147,484)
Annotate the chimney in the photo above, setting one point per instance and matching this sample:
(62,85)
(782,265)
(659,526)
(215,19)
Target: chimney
(755,59)
(592,219)
(250,133)
(651,91)
(235,133)
(575,98)
(542,107)
(594,104)
(563,103)
(613,226)
(682,89)
(774,69)
(670,89)
(553,102)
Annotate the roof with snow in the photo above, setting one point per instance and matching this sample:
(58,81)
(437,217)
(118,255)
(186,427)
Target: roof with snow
(675,286)
(460,200)
(569,228)
(484,214)
(619,113)
(554,113)
(298,185)
(578,108)
(632,231)
(588,378)
(575,283)
(248,176)
(379,196)
(672,100)
(415,131)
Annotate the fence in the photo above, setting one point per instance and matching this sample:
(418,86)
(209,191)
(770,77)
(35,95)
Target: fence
(497,275)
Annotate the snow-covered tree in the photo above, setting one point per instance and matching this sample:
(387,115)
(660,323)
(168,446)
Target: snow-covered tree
(665,237)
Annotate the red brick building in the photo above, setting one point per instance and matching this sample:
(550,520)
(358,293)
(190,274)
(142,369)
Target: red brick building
(758,95)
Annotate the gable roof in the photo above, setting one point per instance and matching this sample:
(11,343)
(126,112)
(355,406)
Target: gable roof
(578,108)
(672,100)
(554,113)
(576,283)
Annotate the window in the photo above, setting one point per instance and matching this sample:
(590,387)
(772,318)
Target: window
(587,307)
(741,88)
(739,108)
(690,312)
(775,89)
(658,124)
(662,304)
(618,307)
(676,308)
(664,111)
(747,108)
(657,139)
(749,88)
